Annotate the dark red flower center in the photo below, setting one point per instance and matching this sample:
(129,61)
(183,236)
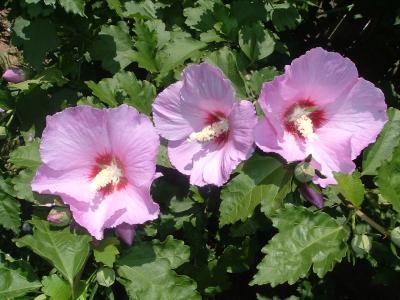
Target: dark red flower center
(107,175)
(302,118)
(216,129)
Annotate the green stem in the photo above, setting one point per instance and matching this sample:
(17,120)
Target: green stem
(371,222)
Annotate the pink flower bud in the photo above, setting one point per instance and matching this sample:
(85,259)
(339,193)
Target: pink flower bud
(14,75)
(126,232)
(59,216)
(312,196)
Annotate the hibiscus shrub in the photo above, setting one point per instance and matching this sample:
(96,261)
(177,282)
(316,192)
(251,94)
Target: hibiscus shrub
(199,149)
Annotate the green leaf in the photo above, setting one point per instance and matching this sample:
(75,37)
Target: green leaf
(10,210)
(143,9)
(29,35)
(238,259)
(146,46)
(305,239)
(49,77)
(76,7)
(388,180)
(140,94)
(106,252)
(148,270)
(261,180)
(225,59)
(248,12)
(66,251)
(14,283)
(115,5)
(56,288)
(384,146)
(22,185)
(284,16)
(124,87)
(259,77)
(256,42)
(157,281)
(201,17)
(105,90)
(173,251)
(26,156)
(162,156)
(351,187)
(177,51)
(113,47)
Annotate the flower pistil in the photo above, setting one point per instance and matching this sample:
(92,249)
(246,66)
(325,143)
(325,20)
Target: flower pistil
(210,132)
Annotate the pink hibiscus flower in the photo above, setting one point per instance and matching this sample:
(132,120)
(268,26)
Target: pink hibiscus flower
(101,162)
(320,107)
(208,130)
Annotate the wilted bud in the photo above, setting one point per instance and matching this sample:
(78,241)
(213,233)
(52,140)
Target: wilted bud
(304,172)
(105,277)
(14,75)
(312,196)
(126,232)
(59,216)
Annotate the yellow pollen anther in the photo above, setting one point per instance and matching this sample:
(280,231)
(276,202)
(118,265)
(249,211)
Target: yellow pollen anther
(110,174)
(210,132)
(305,127)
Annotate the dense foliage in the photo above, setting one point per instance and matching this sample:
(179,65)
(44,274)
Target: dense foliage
(256,237)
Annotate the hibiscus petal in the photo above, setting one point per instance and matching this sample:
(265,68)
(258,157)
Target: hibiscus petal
(320,76)
(182,153)
(139,206)
(360,112)
(96,218)
(288,147)
(205,90)
(242,120)
(214,166)
(135,142)
(74,183)
(167,115)
(332,152)
(73,138)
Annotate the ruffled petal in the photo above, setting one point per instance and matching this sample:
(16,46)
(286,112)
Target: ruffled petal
(135,142)
(205,91)
(361,113)
(332,152)
(288,146)
(72,138)
(214,166)
(74,183)
(96,218)
(320,76)
(242,120)
(182,153)
(167,115)
(139,206)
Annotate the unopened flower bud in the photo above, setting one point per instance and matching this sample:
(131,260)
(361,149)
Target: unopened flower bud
(304,172)
(395,236)
(105,277)
(312,196)
(361,244)
(59,216)
(126,232)
(14,75)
